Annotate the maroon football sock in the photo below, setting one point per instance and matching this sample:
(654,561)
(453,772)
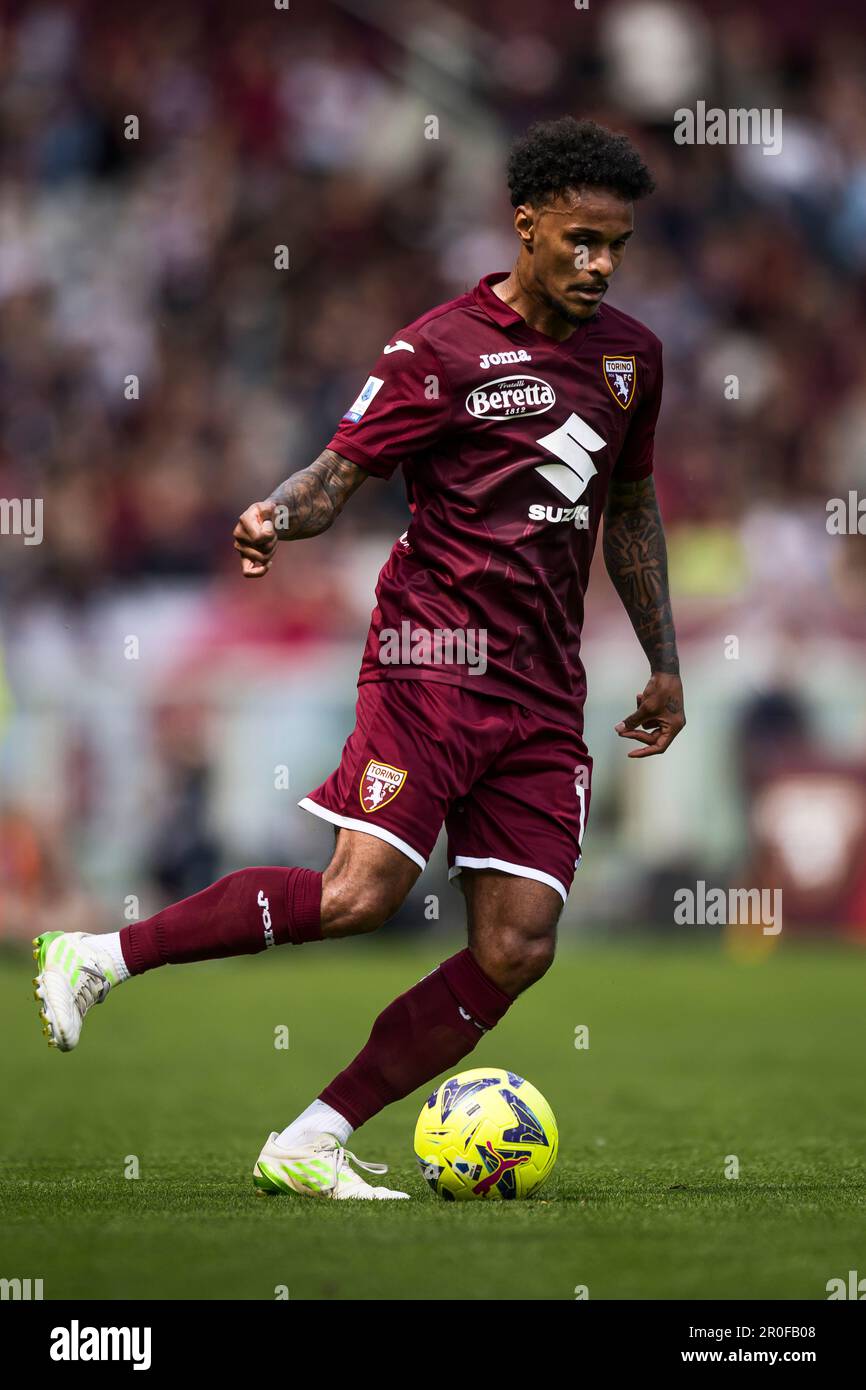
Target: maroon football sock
(241,914)
(425,1031)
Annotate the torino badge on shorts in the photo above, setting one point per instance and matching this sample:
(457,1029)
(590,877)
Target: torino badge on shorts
(380,783)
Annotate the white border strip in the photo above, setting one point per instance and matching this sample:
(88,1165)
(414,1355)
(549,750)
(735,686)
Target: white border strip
(380,833)
(519,870)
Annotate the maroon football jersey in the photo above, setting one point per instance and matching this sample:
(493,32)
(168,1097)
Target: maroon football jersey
(507,439)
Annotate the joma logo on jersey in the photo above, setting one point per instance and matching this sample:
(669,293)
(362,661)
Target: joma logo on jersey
(509,396)
(579,515)
(504,359)
(619,373)
(380,783)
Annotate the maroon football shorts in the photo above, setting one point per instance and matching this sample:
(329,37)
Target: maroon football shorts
(512,788)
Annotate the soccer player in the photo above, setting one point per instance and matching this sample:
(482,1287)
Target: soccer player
(522,413)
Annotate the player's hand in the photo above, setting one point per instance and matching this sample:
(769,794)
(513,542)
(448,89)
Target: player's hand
(659,715)
(255,539)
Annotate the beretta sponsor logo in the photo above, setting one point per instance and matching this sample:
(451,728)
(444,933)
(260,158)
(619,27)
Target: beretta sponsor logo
(508,396)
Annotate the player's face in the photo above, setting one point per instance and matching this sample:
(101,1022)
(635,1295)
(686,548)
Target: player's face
(577,242)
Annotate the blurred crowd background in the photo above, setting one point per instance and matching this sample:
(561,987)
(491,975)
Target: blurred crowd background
(159,718)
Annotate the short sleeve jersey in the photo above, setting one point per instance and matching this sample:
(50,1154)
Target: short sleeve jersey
(508,440)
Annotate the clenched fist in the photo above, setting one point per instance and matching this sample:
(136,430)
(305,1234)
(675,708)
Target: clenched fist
(255,539)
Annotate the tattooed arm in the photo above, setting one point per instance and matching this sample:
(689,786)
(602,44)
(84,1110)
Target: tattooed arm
(636,560)
(306,504)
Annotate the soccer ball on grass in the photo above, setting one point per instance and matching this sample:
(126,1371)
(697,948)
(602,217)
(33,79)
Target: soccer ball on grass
(486,1134)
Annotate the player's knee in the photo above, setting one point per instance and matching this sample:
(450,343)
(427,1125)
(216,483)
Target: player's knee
(535,957)
(517,959)
(353,906)
(371,907)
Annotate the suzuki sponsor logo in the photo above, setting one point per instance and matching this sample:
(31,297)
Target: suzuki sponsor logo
(509,396)
(579,515)
(504,359)
(570,442)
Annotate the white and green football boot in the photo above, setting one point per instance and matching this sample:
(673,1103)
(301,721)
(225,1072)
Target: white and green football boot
(320,1169)
(70,979)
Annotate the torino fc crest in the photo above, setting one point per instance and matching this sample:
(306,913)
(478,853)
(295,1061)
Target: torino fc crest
(619,373)
(380,783)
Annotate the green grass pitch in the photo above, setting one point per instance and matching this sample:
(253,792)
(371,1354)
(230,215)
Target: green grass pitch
(692,1057)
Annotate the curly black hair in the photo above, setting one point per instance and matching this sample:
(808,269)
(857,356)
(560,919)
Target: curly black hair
(556,155)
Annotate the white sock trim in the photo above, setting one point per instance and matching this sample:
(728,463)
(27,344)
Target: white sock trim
(107,945)
(316,1120)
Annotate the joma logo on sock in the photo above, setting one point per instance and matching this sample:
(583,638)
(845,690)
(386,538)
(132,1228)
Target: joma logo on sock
(77,1343)
(470,1019)
(265,905)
